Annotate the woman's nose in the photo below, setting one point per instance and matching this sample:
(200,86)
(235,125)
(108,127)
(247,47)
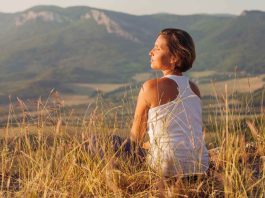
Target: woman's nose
(151,52)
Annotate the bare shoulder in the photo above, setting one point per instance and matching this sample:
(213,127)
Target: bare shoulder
(147,92)
(150,84)
(159,91)
(195,88)
(156,82)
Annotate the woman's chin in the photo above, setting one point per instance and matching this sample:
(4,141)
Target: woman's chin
(153,67)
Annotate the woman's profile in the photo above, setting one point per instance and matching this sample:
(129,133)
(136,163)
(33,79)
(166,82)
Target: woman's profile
(169,110)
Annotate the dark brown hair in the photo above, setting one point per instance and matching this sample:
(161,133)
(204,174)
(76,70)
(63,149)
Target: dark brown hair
(181,45)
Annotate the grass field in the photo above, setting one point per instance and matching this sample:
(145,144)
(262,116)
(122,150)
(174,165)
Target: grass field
(46,154)
(101,87)
(202,74)
(246,84)
(142,76)
(70,100)
(242,85)
(85,93)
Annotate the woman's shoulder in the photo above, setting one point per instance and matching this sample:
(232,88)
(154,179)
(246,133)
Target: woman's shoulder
(156,82)
(151,88)
(150,83)
(159,90)
(160,87)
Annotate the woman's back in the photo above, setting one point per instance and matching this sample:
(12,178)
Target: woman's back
(175,128)
(169,108)
(165,90)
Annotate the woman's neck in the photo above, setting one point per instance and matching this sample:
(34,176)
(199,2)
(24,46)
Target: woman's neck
(167,72)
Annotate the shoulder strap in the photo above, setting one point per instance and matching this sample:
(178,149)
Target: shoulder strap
(182,81)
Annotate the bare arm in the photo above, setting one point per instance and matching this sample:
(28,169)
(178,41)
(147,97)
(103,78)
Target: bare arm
(139,126)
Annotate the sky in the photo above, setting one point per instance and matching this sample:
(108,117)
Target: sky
(141,7)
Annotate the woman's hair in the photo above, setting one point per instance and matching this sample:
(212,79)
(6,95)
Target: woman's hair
(181,45)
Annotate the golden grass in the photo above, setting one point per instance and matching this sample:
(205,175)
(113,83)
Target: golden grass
(202,74)
(103,87)
(234,85)
(47,155)
(70,100)
(7,87)
(142,76)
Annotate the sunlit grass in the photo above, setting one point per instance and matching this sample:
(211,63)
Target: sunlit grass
(47,154)
(245,84)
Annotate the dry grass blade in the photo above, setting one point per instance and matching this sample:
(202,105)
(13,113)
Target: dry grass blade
(253,130)
(56,156)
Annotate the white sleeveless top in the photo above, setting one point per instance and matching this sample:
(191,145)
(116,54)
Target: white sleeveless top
(175,132)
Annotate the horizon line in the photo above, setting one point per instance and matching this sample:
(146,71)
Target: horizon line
(170,13)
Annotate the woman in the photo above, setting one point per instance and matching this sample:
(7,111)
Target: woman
(169,110)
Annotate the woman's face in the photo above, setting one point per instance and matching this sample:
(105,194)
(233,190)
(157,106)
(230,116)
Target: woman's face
(161,58)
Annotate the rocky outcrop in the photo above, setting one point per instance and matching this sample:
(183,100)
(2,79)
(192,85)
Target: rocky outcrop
(112,27)
(99,16)
(46,16)
(86,16)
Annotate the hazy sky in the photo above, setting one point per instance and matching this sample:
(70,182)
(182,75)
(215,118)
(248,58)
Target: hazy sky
(139,7)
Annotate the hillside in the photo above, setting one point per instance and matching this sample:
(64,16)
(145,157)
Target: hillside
(47,46)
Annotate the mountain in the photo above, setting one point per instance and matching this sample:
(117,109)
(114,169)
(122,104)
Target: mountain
(51,42)
(239,42)
(47,46)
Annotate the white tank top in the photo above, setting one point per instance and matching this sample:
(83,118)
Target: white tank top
(175,132)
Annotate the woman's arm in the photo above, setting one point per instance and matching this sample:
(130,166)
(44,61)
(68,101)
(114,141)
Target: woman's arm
(139,126)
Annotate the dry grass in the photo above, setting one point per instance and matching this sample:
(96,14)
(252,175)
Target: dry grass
(142,76)
(46,155)
(103,87)
(234,85)
(70,99)
(202,74)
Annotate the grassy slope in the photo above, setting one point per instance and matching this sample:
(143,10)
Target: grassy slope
(46,154)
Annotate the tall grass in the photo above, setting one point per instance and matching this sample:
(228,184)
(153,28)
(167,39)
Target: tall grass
(45,151)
